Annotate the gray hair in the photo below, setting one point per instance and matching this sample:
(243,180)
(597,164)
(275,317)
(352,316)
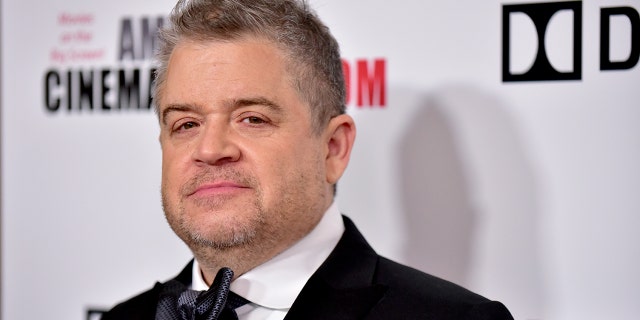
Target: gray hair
(311,52)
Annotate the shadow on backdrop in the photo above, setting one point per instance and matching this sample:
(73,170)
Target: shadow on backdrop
(468,193)
(436,199)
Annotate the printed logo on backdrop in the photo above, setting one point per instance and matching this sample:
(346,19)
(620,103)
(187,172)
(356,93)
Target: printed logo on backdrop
(543,41)
(95,314)
(619,15)
(82,78)
(553,62)
(366,79)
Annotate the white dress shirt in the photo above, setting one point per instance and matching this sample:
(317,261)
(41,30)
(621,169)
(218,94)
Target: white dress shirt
(274,285)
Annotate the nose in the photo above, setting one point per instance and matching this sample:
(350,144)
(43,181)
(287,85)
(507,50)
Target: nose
(216,145)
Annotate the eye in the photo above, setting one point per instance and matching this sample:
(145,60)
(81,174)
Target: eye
(185,126)
(253,120)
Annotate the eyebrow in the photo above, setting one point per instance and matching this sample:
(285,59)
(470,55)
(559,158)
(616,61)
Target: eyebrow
(255,101)
(177,108)
(232,104)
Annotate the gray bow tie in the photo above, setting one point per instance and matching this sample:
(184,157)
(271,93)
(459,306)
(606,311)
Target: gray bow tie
(177,302)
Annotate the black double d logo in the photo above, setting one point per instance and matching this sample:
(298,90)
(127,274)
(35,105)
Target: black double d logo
(541,14)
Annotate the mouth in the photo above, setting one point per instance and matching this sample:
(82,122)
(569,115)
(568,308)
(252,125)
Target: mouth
(217,188)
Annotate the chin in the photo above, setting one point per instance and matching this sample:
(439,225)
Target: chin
(225,239)
(219,231)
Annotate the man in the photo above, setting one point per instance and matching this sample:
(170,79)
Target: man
(250,99)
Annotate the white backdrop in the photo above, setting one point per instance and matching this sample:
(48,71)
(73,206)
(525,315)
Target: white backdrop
(526,192)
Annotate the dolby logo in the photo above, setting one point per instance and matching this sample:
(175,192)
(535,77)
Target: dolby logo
(543,41)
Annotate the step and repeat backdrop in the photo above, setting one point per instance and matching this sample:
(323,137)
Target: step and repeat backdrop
(498,147)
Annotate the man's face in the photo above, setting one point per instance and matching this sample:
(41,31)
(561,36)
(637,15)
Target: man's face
(241,164)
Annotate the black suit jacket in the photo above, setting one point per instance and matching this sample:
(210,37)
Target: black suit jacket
(356,283)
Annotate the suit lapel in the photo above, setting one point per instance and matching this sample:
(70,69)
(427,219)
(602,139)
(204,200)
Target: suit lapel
(342,288)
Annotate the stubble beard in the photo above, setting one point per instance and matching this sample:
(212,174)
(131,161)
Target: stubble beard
(200,236)
(261,232)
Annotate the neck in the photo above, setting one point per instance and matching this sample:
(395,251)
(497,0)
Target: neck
(245,257)
(269,241)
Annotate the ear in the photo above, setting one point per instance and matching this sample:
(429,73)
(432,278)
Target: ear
(339,136)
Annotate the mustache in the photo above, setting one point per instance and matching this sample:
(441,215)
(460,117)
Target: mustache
(215,175)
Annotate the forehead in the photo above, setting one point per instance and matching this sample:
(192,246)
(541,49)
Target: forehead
(207,71)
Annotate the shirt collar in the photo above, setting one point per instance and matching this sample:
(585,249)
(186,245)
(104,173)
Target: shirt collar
(276,283)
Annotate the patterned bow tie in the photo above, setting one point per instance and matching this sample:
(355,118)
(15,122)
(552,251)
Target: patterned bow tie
(177,302)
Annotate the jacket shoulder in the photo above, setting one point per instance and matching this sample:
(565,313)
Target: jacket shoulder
(140,307)
(143,306)
(413,294)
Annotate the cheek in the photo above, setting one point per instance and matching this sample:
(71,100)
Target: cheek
(171,168)
(272,167)
(294,164)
